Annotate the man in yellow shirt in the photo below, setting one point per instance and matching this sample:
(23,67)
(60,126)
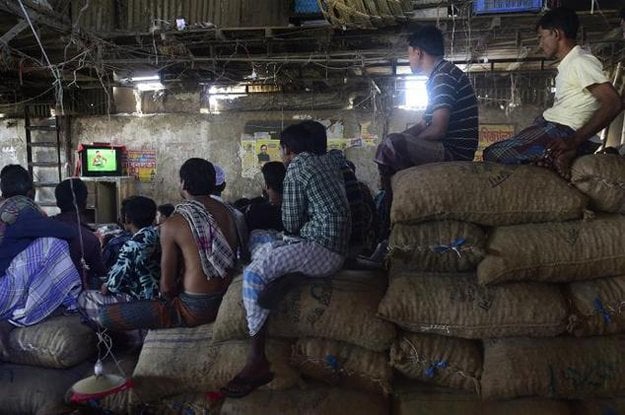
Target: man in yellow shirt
(585,103)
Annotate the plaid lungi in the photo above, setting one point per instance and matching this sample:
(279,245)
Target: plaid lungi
(531,144)
(274,259)
(39,280)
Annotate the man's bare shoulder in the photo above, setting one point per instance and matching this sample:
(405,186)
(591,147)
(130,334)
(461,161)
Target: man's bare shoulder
(173,225)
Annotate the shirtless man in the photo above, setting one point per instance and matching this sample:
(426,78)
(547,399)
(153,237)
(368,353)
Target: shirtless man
(198,244)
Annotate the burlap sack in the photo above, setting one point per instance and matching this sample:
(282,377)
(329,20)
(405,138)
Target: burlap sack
(36,390)
(598,306)
(314,400)
(418,399)
(484,193)
(601,177)
(341,308)
(455,305)
(441,360)
(58,342)
(440,246)
(555,252)
(343,364)
(185,360)
(559,367)
(191,403)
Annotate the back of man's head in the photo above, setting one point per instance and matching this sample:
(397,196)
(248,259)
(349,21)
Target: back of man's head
(309,136)
(71,191)
(139,211)
(560,18)
(198,177)
(15,181)
(273,173)
(429,39)
(166,209)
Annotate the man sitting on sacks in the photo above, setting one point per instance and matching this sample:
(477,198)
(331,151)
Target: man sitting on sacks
(316,219)
(449,128)
(585,103)
(198,245)
(137,271)
(37,275)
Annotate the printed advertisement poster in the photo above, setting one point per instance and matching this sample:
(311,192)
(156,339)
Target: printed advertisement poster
(142,164)
(491,133)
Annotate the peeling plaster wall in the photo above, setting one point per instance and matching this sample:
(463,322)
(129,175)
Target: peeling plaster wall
(177,137)
(12,142)
(216,137)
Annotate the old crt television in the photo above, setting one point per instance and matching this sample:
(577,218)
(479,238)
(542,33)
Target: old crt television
(101,160)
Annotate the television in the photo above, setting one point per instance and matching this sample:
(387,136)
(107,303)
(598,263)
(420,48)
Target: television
(100,160)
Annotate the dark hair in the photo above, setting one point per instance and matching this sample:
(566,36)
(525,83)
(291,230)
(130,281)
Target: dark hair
(351,165)
(307,136)
(621,13)
(65,192)
(166,209)
(198,176)
(273,173)
(15,181)
(139,210)
(429,39)
(560,18)
(263,145)
(219,189)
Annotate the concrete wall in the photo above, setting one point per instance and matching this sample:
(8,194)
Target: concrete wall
(216,137)
(177,137)
(12,142)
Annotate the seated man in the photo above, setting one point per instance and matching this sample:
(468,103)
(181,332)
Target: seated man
(71,198)
(585,103)
(315,213)
(266,213)
(364,218)
(449,129)
(37,275)
(198,243)
(137,271)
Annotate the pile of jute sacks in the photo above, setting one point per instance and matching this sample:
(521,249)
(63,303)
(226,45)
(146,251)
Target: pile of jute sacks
(504,294)
(38,364)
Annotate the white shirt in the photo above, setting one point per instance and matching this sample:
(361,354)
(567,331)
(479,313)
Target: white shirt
(574,104)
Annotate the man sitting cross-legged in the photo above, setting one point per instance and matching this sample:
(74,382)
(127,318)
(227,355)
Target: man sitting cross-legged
(136,273)
(316,215)
(198,245)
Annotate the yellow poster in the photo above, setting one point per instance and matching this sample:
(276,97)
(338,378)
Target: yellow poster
(492,133)
(267,150)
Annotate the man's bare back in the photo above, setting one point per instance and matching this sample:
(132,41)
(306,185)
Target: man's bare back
(180,256)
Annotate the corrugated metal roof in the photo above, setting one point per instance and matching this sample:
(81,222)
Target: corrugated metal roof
(141,15)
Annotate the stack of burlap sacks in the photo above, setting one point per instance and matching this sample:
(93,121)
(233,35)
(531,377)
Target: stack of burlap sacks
(327,348)
(487,309)
(38,365)
(507,282)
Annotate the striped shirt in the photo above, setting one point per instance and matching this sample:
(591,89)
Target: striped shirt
(449,87)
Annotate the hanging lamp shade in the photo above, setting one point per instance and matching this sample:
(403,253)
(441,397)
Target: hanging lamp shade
(98,387)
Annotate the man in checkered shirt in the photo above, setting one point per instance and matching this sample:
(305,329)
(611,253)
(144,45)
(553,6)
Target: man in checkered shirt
(317,224)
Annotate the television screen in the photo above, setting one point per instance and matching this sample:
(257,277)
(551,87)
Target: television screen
(101,160)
